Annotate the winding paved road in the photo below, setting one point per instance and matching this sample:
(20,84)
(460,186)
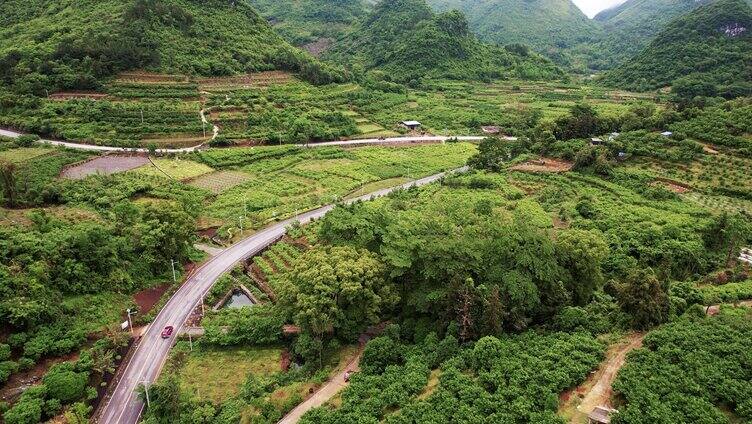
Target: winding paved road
(124,406)
(364,141)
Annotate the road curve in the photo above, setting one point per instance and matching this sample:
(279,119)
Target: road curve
(357,142)
(124,406)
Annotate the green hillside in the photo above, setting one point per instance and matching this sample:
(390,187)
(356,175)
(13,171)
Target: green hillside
(305,21)
(408,41)
(629,28)
(705,52)
(548,26)
(70,44)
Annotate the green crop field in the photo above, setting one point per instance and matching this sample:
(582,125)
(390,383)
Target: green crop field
(23,154)
(219,181)
(217,374)
(179,169)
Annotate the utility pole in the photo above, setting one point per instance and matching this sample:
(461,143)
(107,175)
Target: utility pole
(174,276)
(202,306)
(190,339)
(146,390)
(142,116)
(130,323)
(241,224)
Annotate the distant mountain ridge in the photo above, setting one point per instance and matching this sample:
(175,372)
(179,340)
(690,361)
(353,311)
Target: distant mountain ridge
(408,41)
(707,51)
(629,27)
(548,26)
(73,44)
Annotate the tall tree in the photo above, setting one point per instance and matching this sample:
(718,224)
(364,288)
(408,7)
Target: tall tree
(644,298)
(339,289)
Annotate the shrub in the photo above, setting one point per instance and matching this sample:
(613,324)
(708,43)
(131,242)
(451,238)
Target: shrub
(65,384)
(6,369)
(26,140)
(26,411)
(4,352)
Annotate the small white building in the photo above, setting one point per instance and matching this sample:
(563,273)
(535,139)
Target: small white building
(667,133)
(595,141)
(613,136)
(411,125)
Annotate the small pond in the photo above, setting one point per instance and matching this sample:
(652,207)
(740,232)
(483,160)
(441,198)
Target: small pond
(238,300)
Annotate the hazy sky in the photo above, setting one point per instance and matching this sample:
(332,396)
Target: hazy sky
(592,7)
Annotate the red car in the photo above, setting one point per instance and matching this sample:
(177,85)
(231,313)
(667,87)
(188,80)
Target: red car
(167,332)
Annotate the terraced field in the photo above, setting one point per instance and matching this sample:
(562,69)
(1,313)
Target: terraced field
(284,180)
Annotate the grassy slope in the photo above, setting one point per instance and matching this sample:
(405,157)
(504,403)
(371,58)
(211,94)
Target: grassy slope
(304,21)
(694,44)
(408,41)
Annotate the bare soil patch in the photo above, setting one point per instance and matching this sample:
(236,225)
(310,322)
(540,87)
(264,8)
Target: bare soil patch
(69,95)
(544,165)
(146,299)
(575,404)
(715,309)
(316,48)
(150,77)
(259,79)
(709,149)
(674,186)
(104,165)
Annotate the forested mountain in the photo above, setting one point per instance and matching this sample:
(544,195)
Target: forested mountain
(629,27)
(407,41)
(71,44)
(548,26)
(705,52)
(306,21)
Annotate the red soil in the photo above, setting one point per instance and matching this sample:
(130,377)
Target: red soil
(544,165)
(146,299)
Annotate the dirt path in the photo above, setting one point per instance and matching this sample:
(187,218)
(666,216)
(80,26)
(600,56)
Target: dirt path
(596,390)
(715,309)
(326,392)
(215,129)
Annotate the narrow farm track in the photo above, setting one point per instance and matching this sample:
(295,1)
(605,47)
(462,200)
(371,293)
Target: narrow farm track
(597,387)
(358,142)
(124,406)
(322,395)
(600,393)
